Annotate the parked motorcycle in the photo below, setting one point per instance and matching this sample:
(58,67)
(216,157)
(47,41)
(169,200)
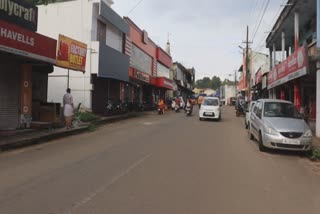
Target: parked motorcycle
(241,108)
(188,110)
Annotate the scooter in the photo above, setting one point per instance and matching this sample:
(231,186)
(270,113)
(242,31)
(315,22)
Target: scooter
(160,110)
(188,110)
(177,108)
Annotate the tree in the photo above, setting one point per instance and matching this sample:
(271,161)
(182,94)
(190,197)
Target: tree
(215,82)
(203,83)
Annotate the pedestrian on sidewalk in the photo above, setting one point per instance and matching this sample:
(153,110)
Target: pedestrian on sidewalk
(68,110)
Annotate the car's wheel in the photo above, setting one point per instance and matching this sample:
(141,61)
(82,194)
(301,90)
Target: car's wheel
(200,118)
(262,148)
(219,119)
(245,123)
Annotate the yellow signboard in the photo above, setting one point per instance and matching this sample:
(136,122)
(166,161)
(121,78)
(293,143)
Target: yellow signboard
(71,54)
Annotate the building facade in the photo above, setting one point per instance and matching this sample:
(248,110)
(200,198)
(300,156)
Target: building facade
(185,79)
(292,45)
(26,58)
(149,68)
(107,65)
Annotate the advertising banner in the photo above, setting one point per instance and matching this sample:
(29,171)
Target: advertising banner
(293,67)
(19,41)
(139,75)
(71,54)
(19,12)
(163,82)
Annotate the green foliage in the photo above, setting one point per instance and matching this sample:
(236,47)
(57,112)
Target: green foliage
(206,82)
(86,116)
(315,155)
(228,82)
(92,127)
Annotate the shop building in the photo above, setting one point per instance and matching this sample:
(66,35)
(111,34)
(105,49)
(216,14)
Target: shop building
(185,79)
(26,58)
(143,66)
(292,45)
(104,31)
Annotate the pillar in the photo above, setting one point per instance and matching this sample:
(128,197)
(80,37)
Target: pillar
(283,46)
(274,55)
(270,59)
(318,74)
(297,95)
(26,95)
(296,30)
(290,51)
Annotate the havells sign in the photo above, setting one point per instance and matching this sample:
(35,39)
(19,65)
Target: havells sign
(19,12)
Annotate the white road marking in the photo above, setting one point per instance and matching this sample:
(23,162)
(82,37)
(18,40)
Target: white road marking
(147,123)
(104,187)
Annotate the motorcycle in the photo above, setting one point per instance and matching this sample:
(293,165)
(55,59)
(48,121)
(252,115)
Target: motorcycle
(189,110)
(241,108)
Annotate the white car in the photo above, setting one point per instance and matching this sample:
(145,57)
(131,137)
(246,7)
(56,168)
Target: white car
(210,109)
(248,113)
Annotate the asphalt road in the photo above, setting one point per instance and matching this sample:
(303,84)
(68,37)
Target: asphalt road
(170,164)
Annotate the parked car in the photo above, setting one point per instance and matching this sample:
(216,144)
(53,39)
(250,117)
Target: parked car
(248,113)
(277,124)
(210,108)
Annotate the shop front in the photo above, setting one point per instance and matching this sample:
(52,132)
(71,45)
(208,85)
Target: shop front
(165,84)
(257,92)
(26,58)
(142,88)
(292,81)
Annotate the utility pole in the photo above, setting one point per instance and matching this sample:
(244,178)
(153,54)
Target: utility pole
(248,75)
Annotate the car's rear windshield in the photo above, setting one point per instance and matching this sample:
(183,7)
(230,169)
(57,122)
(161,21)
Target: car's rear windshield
(277,109)
(210,102)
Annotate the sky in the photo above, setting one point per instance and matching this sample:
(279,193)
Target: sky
(204,34)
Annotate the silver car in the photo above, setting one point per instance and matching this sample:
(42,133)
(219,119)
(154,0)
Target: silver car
(277,124)
(248,114)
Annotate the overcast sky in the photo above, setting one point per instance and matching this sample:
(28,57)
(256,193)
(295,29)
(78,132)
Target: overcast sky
(204,34)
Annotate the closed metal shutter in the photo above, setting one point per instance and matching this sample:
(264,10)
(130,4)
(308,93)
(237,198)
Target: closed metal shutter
(9,97)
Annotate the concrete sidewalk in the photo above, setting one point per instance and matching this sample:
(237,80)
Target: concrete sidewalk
(32,137)
(316,143)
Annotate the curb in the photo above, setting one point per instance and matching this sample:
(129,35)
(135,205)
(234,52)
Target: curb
(46,137)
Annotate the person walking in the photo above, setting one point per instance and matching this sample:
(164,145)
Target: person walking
(68,110)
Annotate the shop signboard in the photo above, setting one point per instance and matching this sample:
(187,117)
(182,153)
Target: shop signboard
(163,82)
(17,40)
(293,67)
(19,12)
(71,54)
(139,75)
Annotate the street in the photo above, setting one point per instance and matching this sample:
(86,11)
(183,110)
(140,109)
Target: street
(158,164)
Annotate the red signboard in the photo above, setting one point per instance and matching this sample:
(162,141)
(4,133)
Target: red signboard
(258,76)
(139,75)
(163,82)
(164,58)
(293,67)
(16,40)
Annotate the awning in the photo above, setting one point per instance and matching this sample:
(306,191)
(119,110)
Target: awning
(22,42)
(163,82)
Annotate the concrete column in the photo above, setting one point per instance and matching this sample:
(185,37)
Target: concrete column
(290,51)
(274,55)
(296,30)
(270,59)
(318,73)
(283,46)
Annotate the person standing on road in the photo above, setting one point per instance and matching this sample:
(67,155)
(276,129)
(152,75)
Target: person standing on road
(68,108)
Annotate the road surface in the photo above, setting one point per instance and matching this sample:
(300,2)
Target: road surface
(155,164)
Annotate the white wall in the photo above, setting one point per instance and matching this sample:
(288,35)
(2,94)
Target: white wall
(72,19)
